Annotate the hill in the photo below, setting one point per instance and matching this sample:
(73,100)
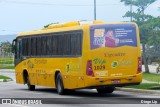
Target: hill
(8,37)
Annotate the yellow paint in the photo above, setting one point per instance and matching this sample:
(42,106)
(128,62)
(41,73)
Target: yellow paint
(42,70)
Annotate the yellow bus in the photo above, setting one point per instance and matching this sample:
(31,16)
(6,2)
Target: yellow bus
(76,55)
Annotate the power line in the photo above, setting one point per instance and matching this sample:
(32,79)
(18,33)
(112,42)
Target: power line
(52,4)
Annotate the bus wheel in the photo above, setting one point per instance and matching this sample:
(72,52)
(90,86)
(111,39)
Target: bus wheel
(30,87)
(59,84)
(104,90)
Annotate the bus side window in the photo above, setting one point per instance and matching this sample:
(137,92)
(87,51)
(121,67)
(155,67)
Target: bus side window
(67,44)
(79,44)
(49,45)
(44,45)
(39,46)
(54,45)
(76,44)
(33,46)
(19,49)
(29,46)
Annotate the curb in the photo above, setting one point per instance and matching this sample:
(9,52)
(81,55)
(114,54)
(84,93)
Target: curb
(138,90)
(5,80)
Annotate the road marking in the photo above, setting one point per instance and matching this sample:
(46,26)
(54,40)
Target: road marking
(18,105)
(29,92)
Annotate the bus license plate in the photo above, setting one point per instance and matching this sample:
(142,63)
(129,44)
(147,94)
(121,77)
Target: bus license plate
(116,81)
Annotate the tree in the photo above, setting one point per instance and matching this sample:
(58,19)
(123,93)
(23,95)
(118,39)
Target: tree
(154,40)
(6,46)
(141,19)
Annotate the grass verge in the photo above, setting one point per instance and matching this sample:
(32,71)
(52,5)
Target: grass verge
(6,62)
(144,86)
(4,77)
(6,67)
(151,77)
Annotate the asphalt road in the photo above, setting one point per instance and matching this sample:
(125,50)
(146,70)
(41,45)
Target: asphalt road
(87,97)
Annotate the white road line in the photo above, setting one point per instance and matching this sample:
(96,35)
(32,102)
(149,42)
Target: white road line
(18,105)
(29,92)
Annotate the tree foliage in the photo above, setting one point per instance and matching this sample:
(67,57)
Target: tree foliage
(6,46)
(139,17)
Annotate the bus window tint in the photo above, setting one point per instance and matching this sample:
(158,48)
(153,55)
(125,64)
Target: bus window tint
(44,45)
(49,45)
(54,45)
(67,44)
(33,48)
(38,46)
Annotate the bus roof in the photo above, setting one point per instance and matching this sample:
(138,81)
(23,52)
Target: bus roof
(74,25)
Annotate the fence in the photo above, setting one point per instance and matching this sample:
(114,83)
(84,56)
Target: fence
(6,59)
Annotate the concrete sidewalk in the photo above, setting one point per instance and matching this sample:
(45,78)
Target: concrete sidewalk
(152,69)
(7,70)
(146,81)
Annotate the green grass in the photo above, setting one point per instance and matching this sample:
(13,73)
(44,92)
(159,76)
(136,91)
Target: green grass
(143,86)
(151,77)
(7,62)
(6,67)
(4,77)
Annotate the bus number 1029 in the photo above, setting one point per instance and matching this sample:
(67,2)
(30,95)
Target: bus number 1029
(99,67)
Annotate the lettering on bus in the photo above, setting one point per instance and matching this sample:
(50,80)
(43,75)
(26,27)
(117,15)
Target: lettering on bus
(99,64)
(30,64)
(99,61)
(121,62)
(67,68)
(40,61)
(114,54)
(99,67)
(72,67)
(102,73)
(42,72)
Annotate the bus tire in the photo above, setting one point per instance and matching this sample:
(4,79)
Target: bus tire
(105,90)
(30,87)
(59,84)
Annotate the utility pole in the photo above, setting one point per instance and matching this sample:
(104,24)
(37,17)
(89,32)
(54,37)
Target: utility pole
(94,9)
(131,9)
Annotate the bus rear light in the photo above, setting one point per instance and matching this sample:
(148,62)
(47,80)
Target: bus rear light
(139,69)
(89,70)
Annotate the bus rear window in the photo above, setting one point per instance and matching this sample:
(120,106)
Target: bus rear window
(113,35)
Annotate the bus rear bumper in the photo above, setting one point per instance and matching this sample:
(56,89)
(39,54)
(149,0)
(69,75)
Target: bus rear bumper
(114,81)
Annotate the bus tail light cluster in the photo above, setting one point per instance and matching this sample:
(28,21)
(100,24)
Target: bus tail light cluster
(89,70)
(139,70)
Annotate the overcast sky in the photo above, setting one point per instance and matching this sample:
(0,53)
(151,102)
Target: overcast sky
(24,15)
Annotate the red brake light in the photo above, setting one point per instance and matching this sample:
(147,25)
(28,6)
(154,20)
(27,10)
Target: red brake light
(89,70)
(139,69)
